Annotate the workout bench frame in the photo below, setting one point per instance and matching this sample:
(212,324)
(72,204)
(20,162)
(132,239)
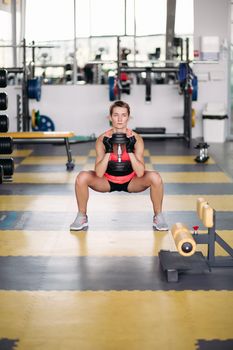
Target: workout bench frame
(172,262)
(28,137)
(210,238)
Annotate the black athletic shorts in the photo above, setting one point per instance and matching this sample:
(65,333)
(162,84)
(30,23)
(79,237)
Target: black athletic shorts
(118,187)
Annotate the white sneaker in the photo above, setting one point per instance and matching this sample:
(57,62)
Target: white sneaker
(159,222)
(79,223)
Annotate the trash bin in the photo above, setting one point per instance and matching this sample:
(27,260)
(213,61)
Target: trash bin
(214,123)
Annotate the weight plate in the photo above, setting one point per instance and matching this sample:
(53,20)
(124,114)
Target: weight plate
(45,124)
(34,88)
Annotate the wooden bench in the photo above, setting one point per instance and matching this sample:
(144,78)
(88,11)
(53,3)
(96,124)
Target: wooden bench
(43,137)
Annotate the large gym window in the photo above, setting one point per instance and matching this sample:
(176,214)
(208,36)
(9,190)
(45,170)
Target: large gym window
(107,17)
(184,19)
(231,75)
(82,15)
(49,20)
(5,39)
(141,24)
(54,20)
(150,17)
(5,20)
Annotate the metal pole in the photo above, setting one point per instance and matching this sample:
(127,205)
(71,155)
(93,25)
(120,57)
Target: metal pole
(125,20)
(75,48)
(135,32)
(32,73)
(211,241)
(25,102)
(170,28)
(187,116)
(187,49)
(22,27)
(148,84)
(13,30)
(118,68)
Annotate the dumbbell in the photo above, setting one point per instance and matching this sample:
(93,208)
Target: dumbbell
(119,139)
(3,78)
(7,166)
(6,145)
(4,123)
(203,152)
(3,101)
(114,168)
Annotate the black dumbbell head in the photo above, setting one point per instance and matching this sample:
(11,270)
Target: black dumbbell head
(6,145)
(4,123)
(3,101)
(3,78)
(8,166)
(119,138)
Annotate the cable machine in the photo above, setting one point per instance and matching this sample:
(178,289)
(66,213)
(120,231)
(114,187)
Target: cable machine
(185,77)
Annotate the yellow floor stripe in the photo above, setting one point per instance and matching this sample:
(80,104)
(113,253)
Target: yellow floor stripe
(88,243)
(45,178)
(92,153)
(69,177)
(88,166)
(177,160)
(83,159)
(52,160)
(111,203)
(194,177)
(21,153)
(106,320)
(92,243)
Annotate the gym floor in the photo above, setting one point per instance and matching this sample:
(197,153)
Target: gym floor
(103,289)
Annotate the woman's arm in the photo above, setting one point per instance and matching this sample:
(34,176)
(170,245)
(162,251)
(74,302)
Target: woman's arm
(137,157)
(102,158)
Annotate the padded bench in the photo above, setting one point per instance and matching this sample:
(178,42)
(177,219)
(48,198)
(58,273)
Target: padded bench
(44,137)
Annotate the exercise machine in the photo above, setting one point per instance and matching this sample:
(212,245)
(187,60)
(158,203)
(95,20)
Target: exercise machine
(187,259)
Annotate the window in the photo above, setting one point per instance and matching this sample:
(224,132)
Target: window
(49,20)
(83,24)
(184,17)
(150,16)
(107,17)
(5,20)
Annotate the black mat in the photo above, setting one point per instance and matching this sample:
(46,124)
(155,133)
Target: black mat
(114,221)
(102,273)
(8,344)
(68,189)
(215,344)
(202,167)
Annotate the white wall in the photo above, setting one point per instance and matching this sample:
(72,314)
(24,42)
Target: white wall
(212,18)
(84,109)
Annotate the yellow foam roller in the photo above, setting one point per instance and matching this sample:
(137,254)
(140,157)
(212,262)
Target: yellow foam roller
(184,240)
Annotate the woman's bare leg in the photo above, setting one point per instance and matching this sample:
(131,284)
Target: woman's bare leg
(84,180)
(152,180)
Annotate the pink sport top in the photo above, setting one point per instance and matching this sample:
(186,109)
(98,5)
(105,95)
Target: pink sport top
(124,157)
